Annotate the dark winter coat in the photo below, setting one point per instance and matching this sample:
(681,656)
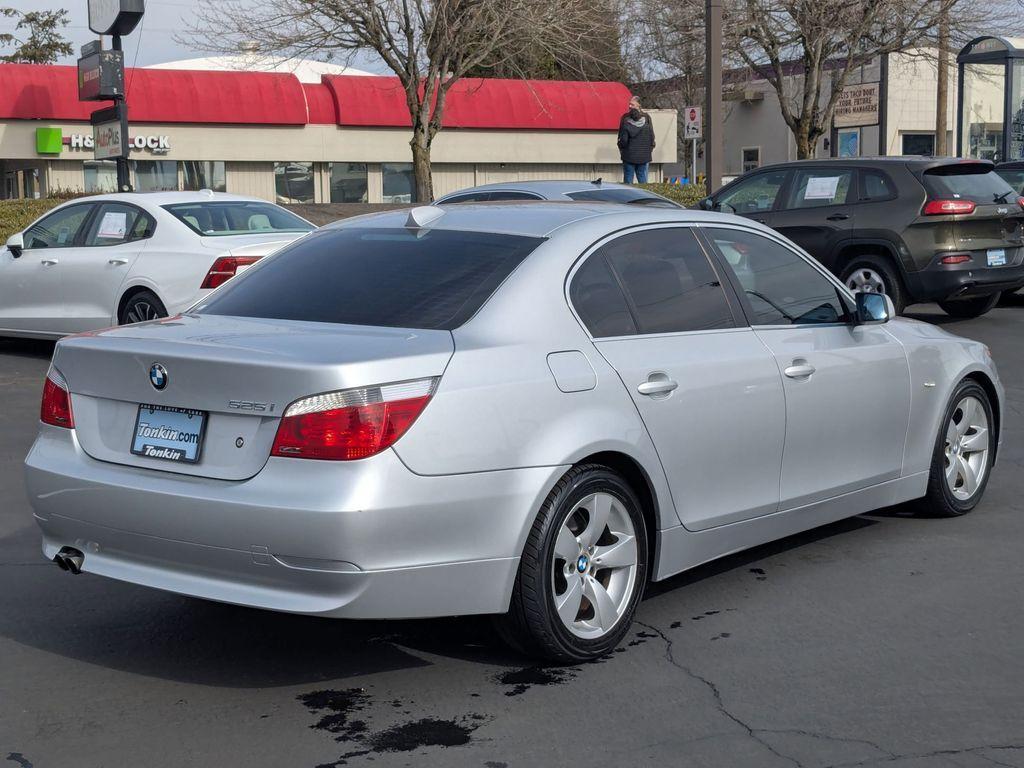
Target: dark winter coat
(636,139)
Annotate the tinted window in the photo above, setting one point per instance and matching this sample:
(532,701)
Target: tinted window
(782,287)
(472,197)
(967,181)
(382,277)
(599,301)
(668,281)
(753,195)
(59,229)
(817,188)
(508,194)
(621,195)
(236,218)
(876,186)
(118,223)
(1014,177)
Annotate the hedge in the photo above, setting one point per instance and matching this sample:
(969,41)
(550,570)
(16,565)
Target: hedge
(688,194)
(16,215)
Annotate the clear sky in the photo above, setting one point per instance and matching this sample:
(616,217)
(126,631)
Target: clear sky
(153,43)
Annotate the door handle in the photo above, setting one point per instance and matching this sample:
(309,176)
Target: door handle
(117,262)
(49,262)
(838,217)
(800,369)
(657,384)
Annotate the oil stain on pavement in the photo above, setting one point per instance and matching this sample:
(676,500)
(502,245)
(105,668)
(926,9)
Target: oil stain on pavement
(521,680)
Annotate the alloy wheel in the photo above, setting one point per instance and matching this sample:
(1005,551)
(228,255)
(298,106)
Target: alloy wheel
(865,280)
(140,311)
(594,568)
(966,448)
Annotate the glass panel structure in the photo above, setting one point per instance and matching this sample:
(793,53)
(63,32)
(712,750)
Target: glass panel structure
(984,88)
(990,109)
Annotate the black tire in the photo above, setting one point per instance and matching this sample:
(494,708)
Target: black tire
(939,500)
(967,308)
(141,307)
(888,273)
(532,624)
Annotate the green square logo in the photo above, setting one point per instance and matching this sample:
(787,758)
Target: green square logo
(49,141)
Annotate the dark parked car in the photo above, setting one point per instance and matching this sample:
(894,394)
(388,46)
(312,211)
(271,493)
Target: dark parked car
(915,228)
(1013,173)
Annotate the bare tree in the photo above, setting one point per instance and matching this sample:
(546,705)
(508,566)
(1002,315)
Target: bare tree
(428,44)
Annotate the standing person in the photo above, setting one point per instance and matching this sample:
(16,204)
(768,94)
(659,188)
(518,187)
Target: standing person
(636,142)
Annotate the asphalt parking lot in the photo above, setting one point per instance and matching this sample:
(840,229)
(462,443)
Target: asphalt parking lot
(881,640)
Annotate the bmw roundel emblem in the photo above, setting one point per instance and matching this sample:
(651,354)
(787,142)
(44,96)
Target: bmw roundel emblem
(582,562)
(158,376)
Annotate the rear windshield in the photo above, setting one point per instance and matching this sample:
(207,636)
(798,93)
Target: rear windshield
(620,195)
(383,277)
(1014,177)
(967,181)
(237,218)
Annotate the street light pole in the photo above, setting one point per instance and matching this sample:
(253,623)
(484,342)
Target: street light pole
(713,95)
(124,183)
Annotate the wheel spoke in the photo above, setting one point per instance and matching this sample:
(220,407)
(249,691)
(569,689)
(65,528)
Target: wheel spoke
(605,614)
(568,603)
(969,475)
(966,409)
(566,546)
(952,434)
(599,507)
(951,471)
(976,442)
(621,554)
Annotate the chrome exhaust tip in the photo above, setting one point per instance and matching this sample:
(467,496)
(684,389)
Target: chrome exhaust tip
(59,560)
(70,559)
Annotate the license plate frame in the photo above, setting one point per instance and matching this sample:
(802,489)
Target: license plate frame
(169,448)
(996,257)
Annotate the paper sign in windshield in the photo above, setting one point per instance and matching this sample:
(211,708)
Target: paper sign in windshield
(822,187)
(113,226)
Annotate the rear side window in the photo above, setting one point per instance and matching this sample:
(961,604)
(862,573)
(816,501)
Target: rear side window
(599,301)
(383,277)
(621,195)
(118,223)
(967,181)
(876,186)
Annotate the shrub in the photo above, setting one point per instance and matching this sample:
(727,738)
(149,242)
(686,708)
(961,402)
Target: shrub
(688,194)
(16,215)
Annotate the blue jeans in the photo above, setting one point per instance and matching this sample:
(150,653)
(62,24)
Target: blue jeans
(629,170)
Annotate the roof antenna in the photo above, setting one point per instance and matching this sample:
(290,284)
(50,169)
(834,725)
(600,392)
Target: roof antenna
(596,182)
(423,216)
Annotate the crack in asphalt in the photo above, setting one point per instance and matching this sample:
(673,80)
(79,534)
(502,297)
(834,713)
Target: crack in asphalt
(887,756)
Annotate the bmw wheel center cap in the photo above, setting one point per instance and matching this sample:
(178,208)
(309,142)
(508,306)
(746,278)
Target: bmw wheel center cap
(158,376)
(581,563)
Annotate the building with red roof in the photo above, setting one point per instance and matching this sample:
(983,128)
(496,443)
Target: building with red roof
(342,139)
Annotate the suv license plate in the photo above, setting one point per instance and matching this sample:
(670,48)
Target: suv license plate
(173,434)
(997,257)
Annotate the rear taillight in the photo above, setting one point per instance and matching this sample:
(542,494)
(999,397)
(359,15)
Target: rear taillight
(353,423)
(946,207)
(56,407)
(1020,202)
(226,267)
(955,258)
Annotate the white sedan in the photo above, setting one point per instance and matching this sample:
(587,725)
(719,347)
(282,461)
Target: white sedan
(124,258)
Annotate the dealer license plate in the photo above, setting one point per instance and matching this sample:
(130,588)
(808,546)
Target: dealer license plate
(997,257)
(173,434)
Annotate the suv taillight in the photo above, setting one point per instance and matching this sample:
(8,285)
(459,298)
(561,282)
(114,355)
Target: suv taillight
(226,267)
(947,207)
(353,423)
(1020,202)
(56,407)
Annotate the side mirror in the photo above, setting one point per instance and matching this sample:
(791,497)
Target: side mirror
(16,244)
(874,308)
(707,204)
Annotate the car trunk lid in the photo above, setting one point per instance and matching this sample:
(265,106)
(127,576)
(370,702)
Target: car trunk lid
(242,373)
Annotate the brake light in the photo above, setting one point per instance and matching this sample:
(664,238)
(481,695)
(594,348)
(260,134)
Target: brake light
(353,423)
(957,258)
(56,406)
(1020,202)
(226,267)
(946,207)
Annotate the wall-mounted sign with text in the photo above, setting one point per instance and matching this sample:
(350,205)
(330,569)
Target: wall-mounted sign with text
(102,142)
(857,105)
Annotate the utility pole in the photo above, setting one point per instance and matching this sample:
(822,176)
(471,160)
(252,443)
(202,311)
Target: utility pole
(942,87)
(713,95)
(124,182)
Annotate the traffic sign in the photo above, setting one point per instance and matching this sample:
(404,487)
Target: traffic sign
(691,123)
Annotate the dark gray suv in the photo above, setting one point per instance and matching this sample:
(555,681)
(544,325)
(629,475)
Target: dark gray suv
(916,228)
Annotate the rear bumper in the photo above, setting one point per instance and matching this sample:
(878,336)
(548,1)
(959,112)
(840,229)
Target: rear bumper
(364,539)
(941,282)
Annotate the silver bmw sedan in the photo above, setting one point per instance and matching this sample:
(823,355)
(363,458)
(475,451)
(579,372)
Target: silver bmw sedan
(523,410)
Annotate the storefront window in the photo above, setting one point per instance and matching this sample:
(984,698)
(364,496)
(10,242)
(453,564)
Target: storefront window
(155,175)
(294,182)
(348,182)
(398,182)
(984,86)
(100,176)
(205,174)
(918,143)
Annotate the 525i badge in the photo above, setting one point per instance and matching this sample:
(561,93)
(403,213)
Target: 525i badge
(249,405)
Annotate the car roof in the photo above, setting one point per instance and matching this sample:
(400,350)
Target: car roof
(919,162)
(544,186)
(538,218)
(169,198)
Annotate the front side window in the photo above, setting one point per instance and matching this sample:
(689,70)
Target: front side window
(294,183)
(818,188)
(59,229)
(430,279)
(220,219)
(780,286)
(118,223)
(670,285)
(348,183)
(397,182)
(754,195)
(205,174)
(155,175)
